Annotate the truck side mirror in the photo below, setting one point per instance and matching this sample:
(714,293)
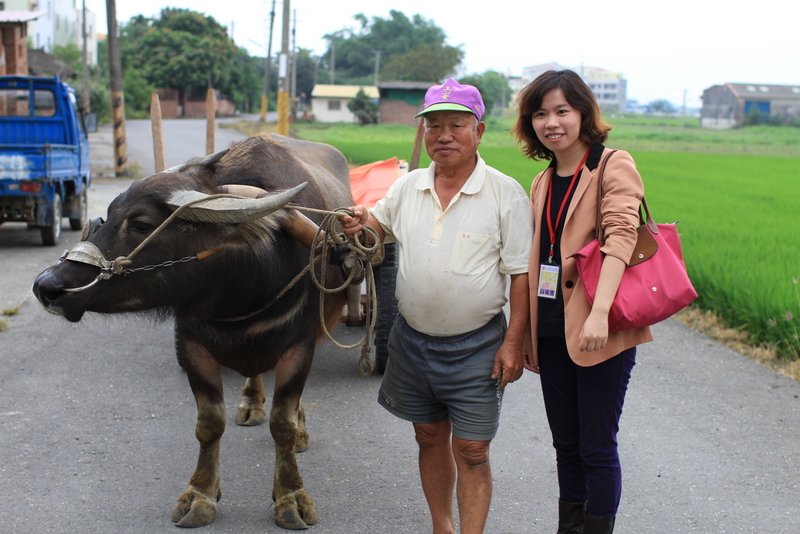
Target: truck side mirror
(91,122)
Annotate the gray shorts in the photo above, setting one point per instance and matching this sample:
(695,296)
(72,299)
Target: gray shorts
(430,378)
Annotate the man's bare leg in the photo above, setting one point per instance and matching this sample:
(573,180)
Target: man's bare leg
(474,486)
(437,470)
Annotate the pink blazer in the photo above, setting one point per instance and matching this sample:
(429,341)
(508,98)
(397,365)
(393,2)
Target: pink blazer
(623,191)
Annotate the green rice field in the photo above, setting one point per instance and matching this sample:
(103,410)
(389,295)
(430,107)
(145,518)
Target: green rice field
(735,194)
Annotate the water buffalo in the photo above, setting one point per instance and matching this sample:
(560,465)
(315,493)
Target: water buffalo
(225,284)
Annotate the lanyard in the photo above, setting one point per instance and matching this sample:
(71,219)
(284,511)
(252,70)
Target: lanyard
(551,228)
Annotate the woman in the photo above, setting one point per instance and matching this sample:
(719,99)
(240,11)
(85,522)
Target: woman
(584,369)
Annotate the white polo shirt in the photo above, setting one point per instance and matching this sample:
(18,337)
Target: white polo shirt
(453,264)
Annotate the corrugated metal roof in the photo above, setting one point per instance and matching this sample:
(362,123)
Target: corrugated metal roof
(343,91)
(19,16)
(405,85)
(764,90)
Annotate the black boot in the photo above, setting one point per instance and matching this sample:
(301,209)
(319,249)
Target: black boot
(570,517)
(598,525)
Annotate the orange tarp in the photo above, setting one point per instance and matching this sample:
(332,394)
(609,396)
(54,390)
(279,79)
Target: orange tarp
(370,182)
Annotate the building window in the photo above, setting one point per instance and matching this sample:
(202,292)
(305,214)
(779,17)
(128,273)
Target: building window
(334,105)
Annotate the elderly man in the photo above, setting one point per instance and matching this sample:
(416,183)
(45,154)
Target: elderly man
(463,231)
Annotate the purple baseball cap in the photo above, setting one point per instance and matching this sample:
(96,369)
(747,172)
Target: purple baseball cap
(453,96)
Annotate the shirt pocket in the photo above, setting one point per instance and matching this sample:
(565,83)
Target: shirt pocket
(469,250)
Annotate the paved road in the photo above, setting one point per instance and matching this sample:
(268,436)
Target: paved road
(97,421)
(183,139)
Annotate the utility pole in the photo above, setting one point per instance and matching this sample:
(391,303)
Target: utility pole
(117,94)
(267,65)
(293,82)
(377,65)
(85,96)
(283,74)
(333,60)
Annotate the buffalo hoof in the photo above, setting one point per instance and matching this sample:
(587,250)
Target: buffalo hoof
(250,413)
(301,441)
(194,509)
(296,511)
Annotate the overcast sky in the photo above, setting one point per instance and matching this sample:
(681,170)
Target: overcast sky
(672,50)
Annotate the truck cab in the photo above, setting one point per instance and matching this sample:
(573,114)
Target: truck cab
(44,155)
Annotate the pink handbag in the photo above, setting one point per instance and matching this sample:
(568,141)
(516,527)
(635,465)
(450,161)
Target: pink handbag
(655,284)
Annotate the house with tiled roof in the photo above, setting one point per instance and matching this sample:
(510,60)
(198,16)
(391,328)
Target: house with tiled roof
(735,104)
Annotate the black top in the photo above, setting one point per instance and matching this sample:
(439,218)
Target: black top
(551,311)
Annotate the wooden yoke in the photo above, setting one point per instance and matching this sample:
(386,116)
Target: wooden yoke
(301,228)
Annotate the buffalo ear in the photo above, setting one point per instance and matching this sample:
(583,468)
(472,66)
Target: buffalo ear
(205,161)
(230,210)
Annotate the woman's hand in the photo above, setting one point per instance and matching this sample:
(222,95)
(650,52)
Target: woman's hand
(530,362)
(594,334)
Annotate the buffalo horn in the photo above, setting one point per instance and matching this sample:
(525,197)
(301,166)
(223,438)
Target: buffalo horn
(241,190)
(229,209)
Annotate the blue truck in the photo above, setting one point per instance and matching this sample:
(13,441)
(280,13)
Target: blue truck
(44,155)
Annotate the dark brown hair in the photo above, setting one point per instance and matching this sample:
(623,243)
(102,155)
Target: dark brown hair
(578,95)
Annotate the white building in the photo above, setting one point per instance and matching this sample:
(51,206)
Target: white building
(329,102)
(60,24)
(609,88)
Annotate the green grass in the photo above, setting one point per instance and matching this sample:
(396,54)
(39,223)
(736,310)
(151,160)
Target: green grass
(735,193)
(738,218)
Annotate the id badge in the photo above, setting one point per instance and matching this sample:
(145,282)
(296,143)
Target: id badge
(548,281)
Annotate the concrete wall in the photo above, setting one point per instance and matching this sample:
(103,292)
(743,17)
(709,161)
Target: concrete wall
(321,108)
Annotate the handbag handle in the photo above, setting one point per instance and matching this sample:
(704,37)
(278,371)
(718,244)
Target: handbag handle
(647,219)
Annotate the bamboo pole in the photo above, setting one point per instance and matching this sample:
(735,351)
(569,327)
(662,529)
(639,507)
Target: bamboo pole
(158,133)
(211,112)
(414,163)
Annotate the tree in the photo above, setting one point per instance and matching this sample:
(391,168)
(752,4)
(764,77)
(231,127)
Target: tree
(137,93)
(190,52)
(365,110)
(422,64)
(71,55)
(306,66)
(662,106)
(493,87)
(407,49)
(99,94)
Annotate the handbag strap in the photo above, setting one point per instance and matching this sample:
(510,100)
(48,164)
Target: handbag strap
(646,219)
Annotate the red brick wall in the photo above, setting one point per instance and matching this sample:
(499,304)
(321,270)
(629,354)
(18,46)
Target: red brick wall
(15,47)
(197,108)
(169,109)
(397,112)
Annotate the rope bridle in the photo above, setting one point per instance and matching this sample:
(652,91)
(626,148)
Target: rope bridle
(358,256)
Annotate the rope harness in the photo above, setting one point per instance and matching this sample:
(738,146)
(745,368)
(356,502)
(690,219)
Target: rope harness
(357,265)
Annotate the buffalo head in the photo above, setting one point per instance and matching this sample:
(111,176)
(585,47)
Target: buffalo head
(156,234)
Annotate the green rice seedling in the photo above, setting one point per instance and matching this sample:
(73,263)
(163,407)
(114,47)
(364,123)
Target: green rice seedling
(740,232)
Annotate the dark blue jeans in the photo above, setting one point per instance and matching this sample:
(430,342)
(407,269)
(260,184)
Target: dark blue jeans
(583,406)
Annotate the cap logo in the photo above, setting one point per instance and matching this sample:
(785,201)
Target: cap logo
(446,91)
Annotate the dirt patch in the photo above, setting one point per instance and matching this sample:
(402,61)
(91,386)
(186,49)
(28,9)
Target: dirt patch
(710,324)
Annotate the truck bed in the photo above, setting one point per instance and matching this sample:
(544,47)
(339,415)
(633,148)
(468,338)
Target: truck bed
(37,162)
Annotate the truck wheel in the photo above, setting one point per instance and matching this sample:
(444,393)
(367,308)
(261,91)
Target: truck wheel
(385,282)
(51,234)
(83,212)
